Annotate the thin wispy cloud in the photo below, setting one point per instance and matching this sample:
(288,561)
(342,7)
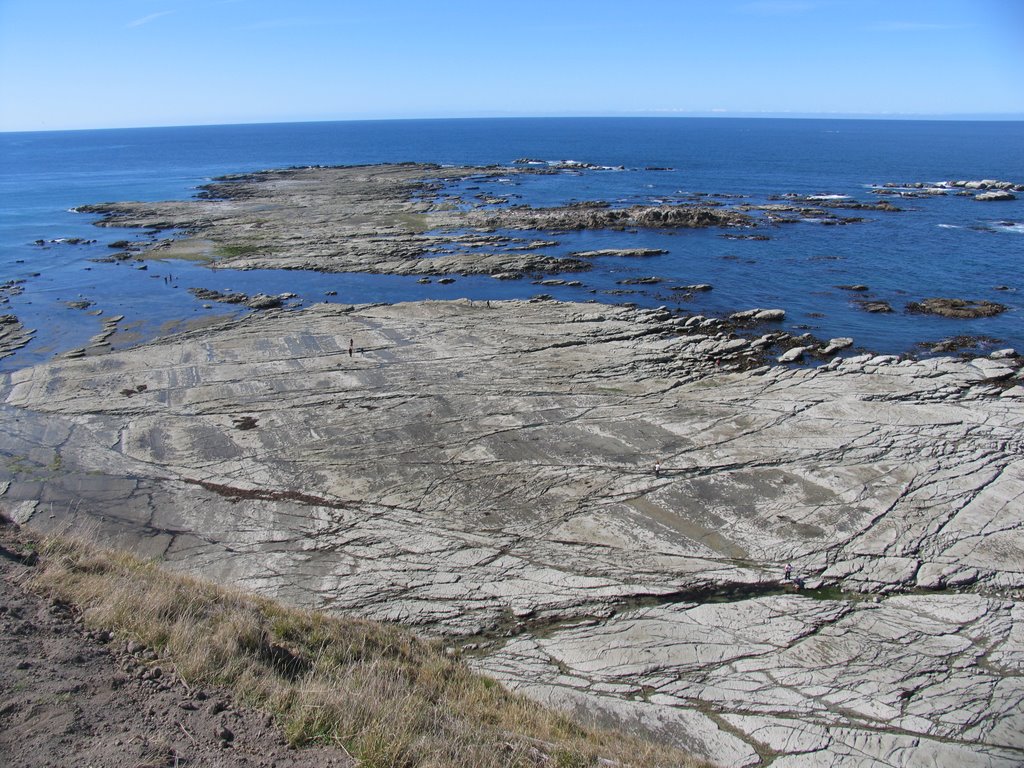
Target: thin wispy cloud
(147,19)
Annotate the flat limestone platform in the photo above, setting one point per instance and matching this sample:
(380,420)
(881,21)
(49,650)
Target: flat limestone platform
(383,219)
(486,473)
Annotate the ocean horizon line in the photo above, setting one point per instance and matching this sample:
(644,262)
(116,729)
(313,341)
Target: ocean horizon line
(1009,117)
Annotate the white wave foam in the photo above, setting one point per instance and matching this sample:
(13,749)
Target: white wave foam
(949,226)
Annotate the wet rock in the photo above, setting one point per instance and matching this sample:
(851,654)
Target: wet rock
(619,252)
(733,236)
(770,315)
(995,196)
(574,217)
(792,355)
(964,309)
(262,301)
(13,335)
(759,315)
(208,294)
(835,345)
(875,306)
(640,281)
(957,184)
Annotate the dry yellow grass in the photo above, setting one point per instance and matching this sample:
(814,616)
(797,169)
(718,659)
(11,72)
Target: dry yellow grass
(390,698)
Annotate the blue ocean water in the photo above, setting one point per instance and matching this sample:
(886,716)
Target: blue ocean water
(939,246)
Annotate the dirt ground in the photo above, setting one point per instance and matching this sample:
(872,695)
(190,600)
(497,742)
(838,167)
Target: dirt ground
(70,696)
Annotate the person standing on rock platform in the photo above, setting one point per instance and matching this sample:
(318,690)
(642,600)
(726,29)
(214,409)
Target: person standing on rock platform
(351,346)
(789,571)
(657,469)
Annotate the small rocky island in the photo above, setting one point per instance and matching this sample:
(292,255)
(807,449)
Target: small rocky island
(634,514)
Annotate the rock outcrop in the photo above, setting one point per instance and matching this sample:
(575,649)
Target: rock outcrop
(995,196)
(385,219)
(13,335)
(619,252)
(576,217)
(486,474)
(962,309)
(960,184)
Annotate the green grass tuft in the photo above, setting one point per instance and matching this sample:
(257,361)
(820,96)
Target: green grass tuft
(237,250)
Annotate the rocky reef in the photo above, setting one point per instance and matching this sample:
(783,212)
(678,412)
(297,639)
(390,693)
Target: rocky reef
(984,190)
(386,219)
(961,309)
(13,335)
(600,216)
(597,504)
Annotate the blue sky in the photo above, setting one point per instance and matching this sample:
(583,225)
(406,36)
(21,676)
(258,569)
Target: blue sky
(125,63)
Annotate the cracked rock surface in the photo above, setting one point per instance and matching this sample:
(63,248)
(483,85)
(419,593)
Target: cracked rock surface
(486,473)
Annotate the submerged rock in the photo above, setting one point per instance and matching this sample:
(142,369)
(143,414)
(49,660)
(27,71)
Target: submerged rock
(875,306)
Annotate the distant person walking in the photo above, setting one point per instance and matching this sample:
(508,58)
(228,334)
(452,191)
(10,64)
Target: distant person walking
(351,346)
(657,469)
